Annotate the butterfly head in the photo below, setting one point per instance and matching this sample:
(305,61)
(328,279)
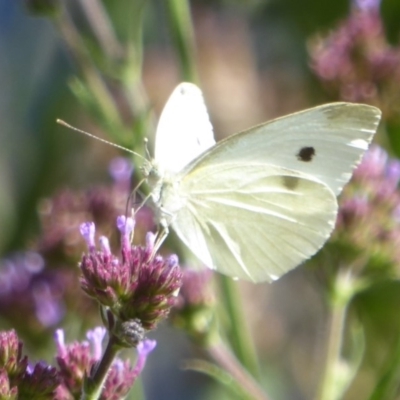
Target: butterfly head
(152,172)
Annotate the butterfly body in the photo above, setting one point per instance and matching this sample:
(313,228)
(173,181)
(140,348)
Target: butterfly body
(258,203)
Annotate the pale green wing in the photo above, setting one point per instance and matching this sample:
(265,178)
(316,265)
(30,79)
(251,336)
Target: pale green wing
(326,142)
(184,124)
(253,221)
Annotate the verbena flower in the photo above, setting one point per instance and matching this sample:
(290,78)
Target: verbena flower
(137,285)
(356,63)
(6,391)
(20,380)
(367,234)
(194,311)
(74,361)
(122,376)
(39,382)
(77,360)
(11,359)
(40,283)
(61,215)
(25,286)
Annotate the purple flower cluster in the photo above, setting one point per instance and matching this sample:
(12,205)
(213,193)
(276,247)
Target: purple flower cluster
(137,286)
(367,234)
(39,382)
(20,380)
(121,376)
(194,311)
(25,285)
(41,283)
(77,360)
(196,289)
(61,215)
(355,62)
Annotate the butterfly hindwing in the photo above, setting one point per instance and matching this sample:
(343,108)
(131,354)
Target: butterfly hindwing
(254,221)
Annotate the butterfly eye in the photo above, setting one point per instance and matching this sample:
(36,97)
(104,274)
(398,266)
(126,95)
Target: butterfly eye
(306,154)
(146,169)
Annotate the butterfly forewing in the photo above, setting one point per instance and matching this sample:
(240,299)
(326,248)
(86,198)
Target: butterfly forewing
(184,130)
(326,142)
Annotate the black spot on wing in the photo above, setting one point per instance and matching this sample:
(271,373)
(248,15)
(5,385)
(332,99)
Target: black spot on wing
(306,154)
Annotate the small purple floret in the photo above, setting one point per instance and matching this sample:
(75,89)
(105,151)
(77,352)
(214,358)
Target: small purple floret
(125,226)
(367,4)
(172,261)
(48,305)
(144,348)
(121,169)
(34,262)
(59,338)
(105,245)
(393,171)
(95,337)
(150,241)
(88,230)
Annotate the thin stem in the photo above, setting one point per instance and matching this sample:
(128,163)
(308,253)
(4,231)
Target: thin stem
(90,74)
(130,76)
(343,291)
(102,28)
(144,117)
(94,383)
(388,383)
(134,45)
(239,334)
(333,356)
(181,26)
(221,354)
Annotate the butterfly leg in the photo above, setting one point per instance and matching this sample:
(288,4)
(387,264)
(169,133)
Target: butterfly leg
(132,198)
(161,235)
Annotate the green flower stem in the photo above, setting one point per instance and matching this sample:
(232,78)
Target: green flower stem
(226,360)
(102,28)
(89,72)
(180,23)
(131,77)
(388,382)
(145,121)
(239,335)
(343,290)
(94,384)
(134,46)
(131,58)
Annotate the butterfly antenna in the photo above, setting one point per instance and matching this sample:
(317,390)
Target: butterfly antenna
(61,122)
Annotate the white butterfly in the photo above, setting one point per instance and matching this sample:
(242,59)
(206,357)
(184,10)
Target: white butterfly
(258,203)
